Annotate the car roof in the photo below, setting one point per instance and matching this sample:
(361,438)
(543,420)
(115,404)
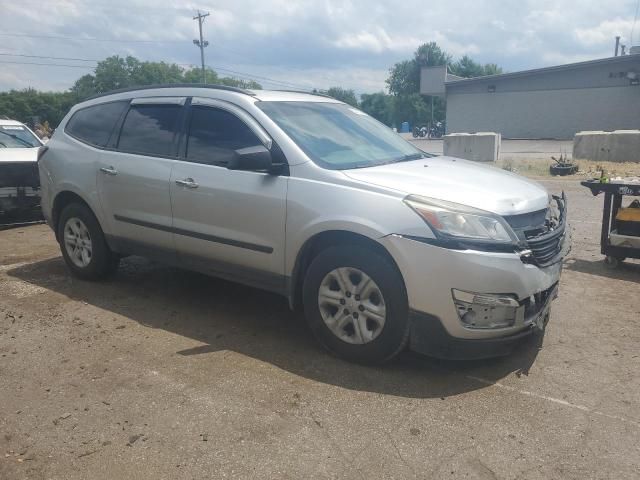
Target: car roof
(6,121)
(208,90)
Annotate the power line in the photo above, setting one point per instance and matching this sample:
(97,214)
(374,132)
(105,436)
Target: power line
(48,64)
(89,39)
(50,58)
(224,70)
(259,77)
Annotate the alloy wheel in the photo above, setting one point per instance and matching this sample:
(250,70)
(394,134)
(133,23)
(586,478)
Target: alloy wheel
(352,305)
(77,242)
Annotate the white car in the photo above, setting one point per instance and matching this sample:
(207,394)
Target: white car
(19,182)
(382,245)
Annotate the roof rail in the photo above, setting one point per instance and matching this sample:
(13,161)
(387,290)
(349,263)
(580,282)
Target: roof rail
(318,94)
(173,85)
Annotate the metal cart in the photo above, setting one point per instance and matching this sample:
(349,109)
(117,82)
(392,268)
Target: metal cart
(616,247)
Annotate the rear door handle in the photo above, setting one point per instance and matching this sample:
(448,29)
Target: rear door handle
(109,170)
(187,182)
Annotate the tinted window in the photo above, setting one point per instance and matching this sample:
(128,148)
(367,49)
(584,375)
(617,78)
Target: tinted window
(95,124)
(149,129)
(214,134)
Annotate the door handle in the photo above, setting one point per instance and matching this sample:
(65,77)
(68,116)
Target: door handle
(109,170)
(187,182)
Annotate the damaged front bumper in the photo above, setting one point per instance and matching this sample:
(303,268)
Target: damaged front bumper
(444,284)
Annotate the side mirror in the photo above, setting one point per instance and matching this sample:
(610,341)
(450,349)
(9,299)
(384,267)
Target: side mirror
(256,158)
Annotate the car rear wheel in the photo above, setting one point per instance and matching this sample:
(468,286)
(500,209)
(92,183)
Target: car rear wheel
(356,305)
(83,245)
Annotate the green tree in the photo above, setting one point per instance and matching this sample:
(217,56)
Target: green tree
(378,105)
(110,74)
(117,72)
(84,87)
(25,105)
(404,83)
(404,77)
(492,69)
(468,68)
(344,95)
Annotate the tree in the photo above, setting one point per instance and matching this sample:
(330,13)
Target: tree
(404,77)
(84,87)
(404,83)
(467,68)
(378,105)
(117,72)
(26,105)
(344,95)
(110,74)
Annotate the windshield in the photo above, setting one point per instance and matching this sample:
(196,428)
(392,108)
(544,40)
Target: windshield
(17,136)
(337,136)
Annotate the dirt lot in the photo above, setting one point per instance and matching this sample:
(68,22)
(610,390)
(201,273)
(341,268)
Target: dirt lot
(161,373)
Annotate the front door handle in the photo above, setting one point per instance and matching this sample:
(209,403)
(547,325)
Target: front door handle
(109,170)
(187,182)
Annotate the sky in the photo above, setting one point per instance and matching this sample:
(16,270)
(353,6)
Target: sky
(301,44)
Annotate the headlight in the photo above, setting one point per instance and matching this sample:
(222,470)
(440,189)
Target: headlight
(459,221)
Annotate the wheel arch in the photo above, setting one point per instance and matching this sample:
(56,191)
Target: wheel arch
(61,200)
(319,242)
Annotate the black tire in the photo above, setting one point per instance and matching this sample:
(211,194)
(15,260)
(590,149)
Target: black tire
(394,335)
(563,170)
(103,261)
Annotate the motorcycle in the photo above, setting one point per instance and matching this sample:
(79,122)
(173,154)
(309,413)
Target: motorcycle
(437,130)
(420,132)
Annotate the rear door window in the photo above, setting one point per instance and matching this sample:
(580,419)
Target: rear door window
(94,125)
(150,129)
(215,135)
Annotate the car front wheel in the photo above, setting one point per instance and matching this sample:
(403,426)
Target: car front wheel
(356,304)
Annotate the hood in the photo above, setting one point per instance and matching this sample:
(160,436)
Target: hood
(459,181)
(11,155)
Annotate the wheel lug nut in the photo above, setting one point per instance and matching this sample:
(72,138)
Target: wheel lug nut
(355,314)
(348,294)
(342,301)
(361,308)
(357,297)
(346,311)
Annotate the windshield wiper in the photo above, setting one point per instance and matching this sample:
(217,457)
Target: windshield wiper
(15,137)
(410,157)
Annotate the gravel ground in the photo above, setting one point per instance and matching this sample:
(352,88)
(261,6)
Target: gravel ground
(161,373)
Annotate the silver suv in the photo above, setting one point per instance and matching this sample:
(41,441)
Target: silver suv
(382,245)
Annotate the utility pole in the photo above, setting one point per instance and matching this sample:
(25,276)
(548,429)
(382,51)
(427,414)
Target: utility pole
(617,45)
(201,43)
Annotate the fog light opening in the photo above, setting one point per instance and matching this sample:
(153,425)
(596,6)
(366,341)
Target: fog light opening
(485,311)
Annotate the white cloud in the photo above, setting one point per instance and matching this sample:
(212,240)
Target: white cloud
(377,40)
(603,33)
(307,42)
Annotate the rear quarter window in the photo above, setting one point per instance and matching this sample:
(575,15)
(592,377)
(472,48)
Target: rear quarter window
(94,125)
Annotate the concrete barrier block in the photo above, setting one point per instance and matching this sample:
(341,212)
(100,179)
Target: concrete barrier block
(616,146)
(478,147)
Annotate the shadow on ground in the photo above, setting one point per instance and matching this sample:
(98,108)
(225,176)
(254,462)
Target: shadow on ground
(627,270)
(227,316)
